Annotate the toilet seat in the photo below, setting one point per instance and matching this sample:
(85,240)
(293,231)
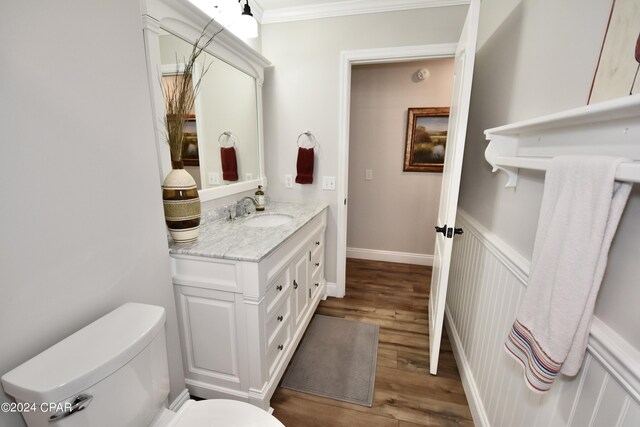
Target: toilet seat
(223,413)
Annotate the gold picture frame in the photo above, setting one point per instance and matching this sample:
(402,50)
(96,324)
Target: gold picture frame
(426,139)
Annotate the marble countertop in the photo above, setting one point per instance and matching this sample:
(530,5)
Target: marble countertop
(235,241)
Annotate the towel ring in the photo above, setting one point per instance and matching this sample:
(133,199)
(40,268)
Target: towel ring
(310,137)
(229,136)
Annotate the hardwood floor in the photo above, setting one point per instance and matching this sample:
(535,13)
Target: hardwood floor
(394,296)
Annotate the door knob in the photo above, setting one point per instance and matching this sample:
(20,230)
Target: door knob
(442,230)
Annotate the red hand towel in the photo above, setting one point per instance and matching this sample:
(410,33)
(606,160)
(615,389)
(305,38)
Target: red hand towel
(305,166)
(229,163)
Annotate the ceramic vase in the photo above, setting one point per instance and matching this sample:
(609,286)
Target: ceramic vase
(181,204)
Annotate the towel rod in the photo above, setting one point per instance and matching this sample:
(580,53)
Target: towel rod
(610,128)
(629,172)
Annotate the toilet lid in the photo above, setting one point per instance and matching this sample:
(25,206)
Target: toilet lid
(223,413)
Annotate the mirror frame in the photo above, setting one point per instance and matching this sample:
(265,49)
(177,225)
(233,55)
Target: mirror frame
(184,20)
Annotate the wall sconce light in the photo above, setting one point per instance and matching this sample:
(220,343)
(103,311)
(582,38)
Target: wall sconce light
(246,25)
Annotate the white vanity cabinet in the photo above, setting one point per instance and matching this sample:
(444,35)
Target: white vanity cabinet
(240,321)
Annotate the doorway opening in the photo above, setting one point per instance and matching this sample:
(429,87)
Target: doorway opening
(391,209)
(348,60)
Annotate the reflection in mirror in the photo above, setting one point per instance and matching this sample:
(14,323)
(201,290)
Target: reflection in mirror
(226,102)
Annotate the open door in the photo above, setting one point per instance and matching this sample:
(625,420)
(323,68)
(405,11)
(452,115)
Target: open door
(457,132)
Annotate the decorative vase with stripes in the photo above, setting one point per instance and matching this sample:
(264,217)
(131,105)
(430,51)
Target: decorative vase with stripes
(181,204)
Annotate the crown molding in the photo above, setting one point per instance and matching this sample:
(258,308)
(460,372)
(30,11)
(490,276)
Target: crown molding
(350,7)
(257,11)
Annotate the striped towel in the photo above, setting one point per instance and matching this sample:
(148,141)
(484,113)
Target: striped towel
(580,211)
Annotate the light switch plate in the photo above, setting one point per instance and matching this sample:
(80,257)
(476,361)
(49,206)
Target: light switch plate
(214,178)
(288,181)
(328,182)
(368,174)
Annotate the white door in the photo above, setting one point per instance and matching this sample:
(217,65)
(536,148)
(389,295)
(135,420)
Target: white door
(458,117)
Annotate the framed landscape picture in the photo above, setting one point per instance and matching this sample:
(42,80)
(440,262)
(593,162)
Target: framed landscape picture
(426,139)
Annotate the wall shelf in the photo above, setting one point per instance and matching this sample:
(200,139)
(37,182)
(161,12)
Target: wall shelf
(609,128)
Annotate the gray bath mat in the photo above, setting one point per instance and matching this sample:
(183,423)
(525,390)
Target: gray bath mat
(336,359)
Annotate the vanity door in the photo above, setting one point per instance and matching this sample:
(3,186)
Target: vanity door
(300,296)
(213,346)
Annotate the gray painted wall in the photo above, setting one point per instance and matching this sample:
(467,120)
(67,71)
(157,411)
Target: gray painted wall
(396,211)
(301,91)
(82,222)
(535,58)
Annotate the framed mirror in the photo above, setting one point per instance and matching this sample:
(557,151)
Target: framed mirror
(228,108)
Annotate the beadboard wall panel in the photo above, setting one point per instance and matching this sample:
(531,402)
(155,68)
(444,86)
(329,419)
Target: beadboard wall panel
(487,283)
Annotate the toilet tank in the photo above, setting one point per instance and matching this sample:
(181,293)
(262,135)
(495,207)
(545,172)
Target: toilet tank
(115,369)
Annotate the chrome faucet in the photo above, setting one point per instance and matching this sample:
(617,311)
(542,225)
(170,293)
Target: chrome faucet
(241,209)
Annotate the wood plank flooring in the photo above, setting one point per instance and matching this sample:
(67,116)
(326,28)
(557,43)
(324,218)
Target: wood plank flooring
(394,296)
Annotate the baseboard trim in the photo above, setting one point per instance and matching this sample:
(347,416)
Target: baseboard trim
(179,400)
(471,391)
(390,256)
(332,290)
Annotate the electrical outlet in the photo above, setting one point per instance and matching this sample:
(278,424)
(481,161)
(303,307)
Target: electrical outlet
(368,174)
(328,182)
(288,181)
(214,178)
(248,176)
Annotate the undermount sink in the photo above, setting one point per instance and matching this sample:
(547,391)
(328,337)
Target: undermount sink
(268,220)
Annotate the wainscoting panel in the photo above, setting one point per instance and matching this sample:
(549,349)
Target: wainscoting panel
(487,282)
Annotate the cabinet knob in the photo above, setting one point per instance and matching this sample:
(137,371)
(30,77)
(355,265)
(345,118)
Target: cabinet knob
(317,264)
(317,284)
(295,284)
(317,243)
(280,318)
(280,347)
(279,287)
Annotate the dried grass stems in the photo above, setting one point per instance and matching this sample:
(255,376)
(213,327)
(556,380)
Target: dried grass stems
(180,93)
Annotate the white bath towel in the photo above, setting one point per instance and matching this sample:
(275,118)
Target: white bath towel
(580,211)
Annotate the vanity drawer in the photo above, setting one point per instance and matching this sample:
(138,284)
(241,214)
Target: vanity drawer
(317,259)
(318,245)
(279,347)
(278,319)
(277,291)
(315,283)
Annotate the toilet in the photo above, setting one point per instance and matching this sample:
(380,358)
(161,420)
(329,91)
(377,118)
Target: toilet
(114,373)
